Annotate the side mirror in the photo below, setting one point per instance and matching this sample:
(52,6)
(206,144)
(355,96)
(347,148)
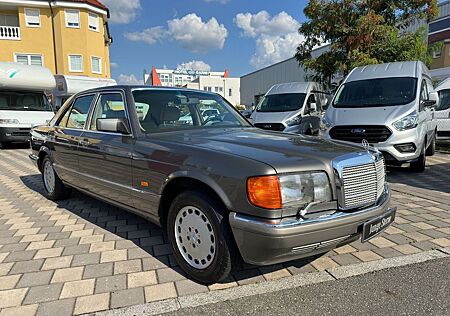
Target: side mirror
(113,125)
(313,107)
(433,98)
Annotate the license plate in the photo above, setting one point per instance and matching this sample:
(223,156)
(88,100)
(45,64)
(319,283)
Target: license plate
(377,225)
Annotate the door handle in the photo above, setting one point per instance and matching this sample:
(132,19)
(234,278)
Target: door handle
(84,142)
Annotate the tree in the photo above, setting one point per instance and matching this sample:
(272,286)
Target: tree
(362,32)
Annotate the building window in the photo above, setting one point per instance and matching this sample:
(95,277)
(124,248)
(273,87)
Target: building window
(9,20)
(216,89)
(220,89)
(29,59)
(96,65)
(230,92)
(75,63)
(437,54)
(32,17)
(72,18)
(93,22)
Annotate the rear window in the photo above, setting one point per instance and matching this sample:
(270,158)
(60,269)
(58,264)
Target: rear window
(24,101)
(285,102)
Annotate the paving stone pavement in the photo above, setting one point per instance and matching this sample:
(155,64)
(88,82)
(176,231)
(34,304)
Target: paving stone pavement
(81,255)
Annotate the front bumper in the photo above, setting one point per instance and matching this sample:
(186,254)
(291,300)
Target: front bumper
(262,242)
(15,134)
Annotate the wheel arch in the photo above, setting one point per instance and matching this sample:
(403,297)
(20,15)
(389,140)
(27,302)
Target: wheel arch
(43,151)
(182,182)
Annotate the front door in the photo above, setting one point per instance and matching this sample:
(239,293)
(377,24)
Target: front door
(105,157)
(66,137)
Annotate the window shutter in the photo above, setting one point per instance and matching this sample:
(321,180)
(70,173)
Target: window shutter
(36,60)
(93,21)
(22,59)
(72,18)
(32,17)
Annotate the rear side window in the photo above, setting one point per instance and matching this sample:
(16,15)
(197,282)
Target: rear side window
(77,115)
(109,105)
(444,100)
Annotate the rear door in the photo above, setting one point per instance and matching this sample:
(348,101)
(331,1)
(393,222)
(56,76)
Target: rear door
(66,137)
(105,157)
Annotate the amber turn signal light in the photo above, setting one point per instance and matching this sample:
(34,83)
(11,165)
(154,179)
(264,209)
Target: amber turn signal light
(264,192)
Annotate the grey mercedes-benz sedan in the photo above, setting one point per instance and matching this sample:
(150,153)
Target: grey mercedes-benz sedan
(224,190)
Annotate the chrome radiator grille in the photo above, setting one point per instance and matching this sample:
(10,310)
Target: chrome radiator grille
(361,180)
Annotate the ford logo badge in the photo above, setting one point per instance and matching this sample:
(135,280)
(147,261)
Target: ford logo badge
(358,131)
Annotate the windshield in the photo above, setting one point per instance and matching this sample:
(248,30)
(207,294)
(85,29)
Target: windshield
(444,100)
(376,92)
(285,102)
(161,110)
(24,101)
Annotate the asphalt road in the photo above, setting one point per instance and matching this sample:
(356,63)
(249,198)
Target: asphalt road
(419,289)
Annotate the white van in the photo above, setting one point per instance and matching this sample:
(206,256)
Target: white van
(23,102)
(294,107)
(391,106)
(443,112)
(66,86)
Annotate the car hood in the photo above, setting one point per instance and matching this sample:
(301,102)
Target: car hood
(273,117)
(385,115)
(284,152)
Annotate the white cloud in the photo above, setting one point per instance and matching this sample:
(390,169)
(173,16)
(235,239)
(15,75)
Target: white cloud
(129,80)
(276,37)
(190,31)
(197,36)
(123,11)
(114,65)
(195,65)
(149,36)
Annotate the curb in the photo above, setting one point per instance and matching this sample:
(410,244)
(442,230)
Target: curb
(295,281)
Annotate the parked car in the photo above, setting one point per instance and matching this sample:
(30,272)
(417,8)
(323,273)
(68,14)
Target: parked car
(247,113)
(206,113)
(294,107)
(392,106)
(443,112)
(224,190)
(23,102)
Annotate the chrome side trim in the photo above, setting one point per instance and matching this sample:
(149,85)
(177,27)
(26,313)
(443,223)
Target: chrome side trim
(318,245)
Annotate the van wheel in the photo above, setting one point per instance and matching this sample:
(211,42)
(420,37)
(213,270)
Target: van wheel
(432,147)
(54,189)
(419,165)
(200,237)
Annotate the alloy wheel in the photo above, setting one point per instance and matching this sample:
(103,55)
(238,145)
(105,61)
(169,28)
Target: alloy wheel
(49,177)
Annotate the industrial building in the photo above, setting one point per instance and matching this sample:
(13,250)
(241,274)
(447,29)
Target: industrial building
(213,81)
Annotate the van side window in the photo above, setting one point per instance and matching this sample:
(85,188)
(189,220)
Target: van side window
(109,105)
(76,116)
(424,91)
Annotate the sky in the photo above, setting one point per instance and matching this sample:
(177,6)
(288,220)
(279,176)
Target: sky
(238,35)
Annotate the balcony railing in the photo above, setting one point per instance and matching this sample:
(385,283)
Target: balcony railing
(9,32)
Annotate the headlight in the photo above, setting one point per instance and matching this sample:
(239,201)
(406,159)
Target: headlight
(407,122)
(294,121)
(324,124)
(9,121)
(304,188)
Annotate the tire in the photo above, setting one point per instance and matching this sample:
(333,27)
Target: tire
(54,189)
(419,165)
(432,147)
(192,216)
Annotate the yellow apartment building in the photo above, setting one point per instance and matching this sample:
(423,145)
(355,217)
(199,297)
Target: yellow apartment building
(69,37)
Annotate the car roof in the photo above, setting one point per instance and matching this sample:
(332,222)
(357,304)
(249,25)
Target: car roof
(395,69)
(291,87)
(143,87)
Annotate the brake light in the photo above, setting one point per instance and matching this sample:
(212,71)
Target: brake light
(264,192)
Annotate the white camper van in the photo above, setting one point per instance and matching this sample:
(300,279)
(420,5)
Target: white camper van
(66,86)
(443,112)
(23,103)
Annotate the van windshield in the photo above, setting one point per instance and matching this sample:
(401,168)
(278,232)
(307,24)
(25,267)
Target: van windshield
(376,92)
(24,101)
(285,102)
